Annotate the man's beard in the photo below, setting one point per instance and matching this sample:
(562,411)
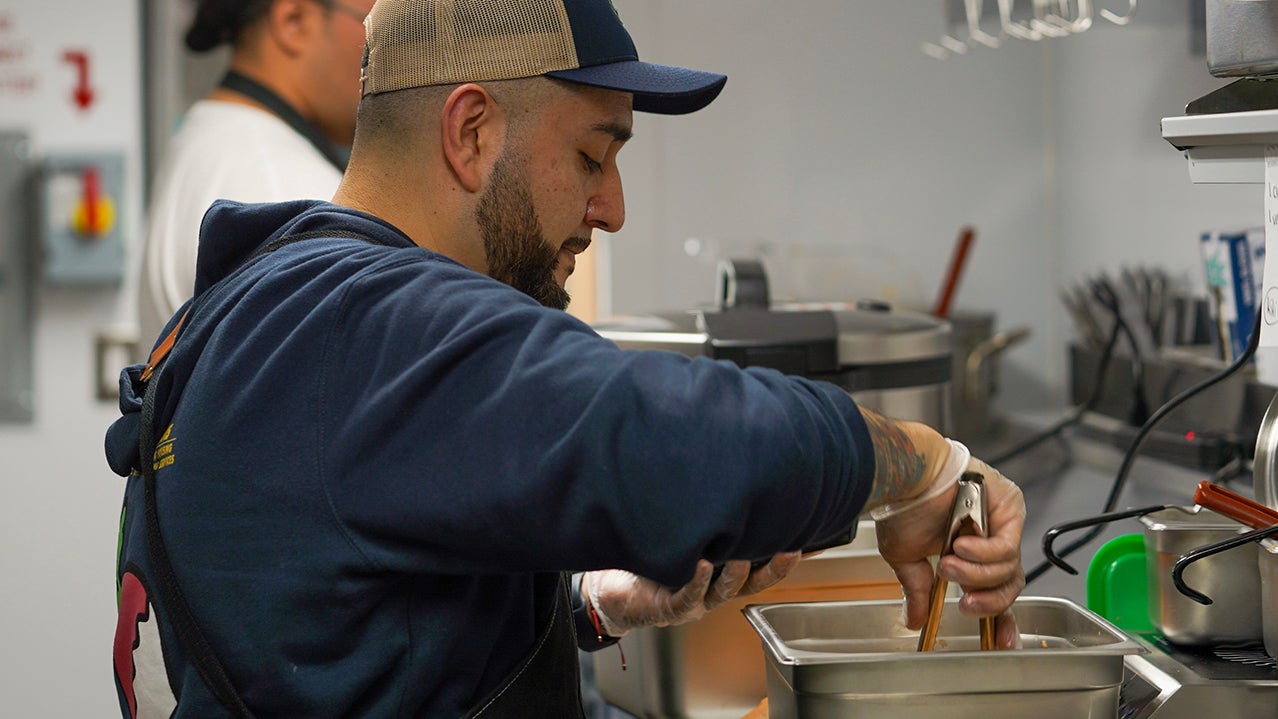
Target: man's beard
(514,245)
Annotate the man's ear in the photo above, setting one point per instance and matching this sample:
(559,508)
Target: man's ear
(473,131)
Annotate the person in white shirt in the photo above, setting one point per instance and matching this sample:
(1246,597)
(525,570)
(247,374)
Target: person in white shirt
(276,128)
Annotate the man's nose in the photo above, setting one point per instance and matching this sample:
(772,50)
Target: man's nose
(606,209)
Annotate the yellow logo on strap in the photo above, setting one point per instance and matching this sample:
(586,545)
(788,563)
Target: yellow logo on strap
(164,450)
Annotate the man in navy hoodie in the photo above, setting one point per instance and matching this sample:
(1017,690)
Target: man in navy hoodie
(370,450)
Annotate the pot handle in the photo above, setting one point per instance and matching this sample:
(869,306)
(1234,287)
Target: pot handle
(1193,555)
(742,283)
(1051,534)
(987,351)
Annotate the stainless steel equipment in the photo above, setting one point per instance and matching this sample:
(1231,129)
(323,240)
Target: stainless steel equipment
(1171,531)
(897,363)
(975,381)
(894,362)
(1265,487)
(835,660)
(1269,596)
(714,668)
(1172,682)
(1232,579)
(1242,37)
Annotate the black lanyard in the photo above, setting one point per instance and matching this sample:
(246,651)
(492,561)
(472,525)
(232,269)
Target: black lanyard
(264,96)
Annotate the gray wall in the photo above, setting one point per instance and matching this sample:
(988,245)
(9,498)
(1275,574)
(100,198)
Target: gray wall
(849,160)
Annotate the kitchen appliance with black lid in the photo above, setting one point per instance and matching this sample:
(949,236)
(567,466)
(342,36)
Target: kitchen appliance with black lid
(894,362)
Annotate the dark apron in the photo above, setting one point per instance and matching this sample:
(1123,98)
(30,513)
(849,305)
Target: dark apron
(547,683)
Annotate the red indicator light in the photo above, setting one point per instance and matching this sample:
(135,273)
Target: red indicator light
(1189,436)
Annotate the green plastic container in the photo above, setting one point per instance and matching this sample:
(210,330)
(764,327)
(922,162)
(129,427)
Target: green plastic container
(1117,588)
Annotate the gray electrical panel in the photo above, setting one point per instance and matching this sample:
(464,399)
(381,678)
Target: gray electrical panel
(81,197)
(16,285)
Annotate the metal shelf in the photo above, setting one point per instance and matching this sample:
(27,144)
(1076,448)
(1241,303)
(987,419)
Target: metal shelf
(1225,148)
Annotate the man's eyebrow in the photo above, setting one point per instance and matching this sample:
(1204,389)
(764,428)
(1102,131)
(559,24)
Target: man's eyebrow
(619,132)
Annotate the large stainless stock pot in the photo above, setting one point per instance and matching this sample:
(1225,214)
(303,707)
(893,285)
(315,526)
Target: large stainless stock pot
(894,362)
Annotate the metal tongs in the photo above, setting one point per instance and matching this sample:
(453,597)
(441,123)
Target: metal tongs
(968,514)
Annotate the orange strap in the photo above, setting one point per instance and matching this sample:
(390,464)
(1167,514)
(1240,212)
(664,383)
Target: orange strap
(162,350)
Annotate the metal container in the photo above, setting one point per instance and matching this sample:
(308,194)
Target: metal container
(977,348)
(1269,596)
(839,660)
(1242,37)
(894,362)
(714,668)
(1229,577)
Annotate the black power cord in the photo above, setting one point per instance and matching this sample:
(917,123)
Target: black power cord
(1077,414)
(1120,480)
(1140,410)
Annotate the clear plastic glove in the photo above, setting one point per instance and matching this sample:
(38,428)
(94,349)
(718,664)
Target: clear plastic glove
(626,601)
(987,568)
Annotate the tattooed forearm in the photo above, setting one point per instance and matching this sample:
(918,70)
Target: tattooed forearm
(899,468)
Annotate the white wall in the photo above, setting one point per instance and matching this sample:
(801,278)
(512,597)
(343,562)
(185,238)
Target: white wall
(1123,193)
(852,154)
(59,509)
(838,145)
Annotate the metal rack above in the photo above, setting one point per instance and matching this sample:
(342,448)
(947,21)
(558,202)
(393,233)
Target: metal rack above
(968,25)
(1224,148)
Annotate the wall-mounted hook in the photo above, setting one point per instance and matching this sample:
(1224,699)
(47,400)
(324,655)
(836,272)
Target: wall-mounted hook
(948,45)
(1012,28)
(1082,16)
(974,31)
(1047,20)
(1120,19)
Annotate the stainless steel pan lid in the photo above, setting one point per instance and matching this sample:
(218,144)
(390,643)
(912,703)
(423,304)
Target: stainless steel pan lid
(862,346)
(858,347)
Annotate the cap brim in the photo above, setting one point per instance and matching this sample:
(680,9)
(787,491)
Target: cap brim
(662,89)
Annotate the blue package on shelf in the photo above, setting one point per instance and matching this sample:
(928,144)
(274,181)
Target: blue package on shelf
(1234,267)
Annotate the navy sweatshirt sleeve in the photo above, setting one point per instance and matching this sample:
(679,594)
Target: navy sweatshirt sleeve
(464,428)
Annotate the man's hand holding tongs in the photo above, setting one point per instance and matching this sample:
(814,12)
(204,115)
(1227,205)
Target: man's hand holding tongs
(919,525)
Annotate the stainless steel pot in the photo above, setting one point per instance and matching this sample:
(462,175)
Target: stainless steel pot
(977,349)
(838,660)
(1266,593)
(1269,595)
(1234,615)
(1242,37)
(715,668)
(894,362)
(1171,531)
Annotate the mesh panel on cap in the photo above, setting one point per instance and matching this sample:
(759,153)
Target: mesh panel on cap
(413,43)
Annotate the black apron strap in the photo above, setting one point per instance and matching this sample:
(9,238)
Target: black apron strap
(547,683)
(172,600)
(165,580)
(267,98)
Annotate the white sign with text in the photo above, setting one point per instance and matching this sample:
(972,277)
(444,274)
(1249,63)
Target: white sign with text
(1269,301)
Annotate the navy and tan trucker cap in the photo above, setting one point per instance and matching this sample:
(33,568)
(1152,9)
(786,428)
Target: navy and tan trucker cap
(416,43)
